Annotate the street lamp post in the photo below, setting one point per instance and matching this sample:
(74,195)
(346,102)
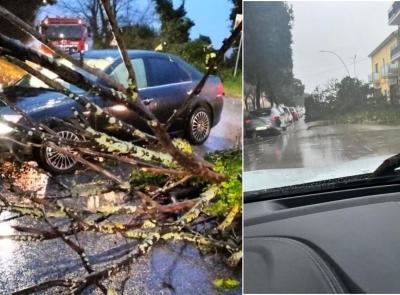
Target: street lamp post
(341,60)
(354,65)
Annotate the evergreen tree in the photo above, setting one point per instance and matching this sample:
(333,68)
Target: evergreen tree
(268,61)
(140,36)
(236,9)
(175,25)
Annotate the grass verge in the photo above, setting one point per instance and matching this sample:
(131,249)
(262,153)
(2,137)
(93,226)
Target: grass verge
(232,85)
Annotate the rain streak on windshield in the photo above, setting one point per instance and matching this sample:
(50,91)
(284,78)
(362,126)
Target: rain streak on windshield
(322,97)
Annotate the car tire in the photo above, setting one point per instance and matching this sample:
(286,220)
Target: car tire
(199,126)
(54,162)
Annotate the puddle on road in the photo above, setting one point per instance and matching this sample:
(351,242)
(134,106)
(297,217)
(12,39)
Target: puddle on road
(320,146)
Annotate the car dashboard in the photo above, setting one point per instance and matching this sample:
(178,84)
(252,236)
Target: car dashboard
(338,242)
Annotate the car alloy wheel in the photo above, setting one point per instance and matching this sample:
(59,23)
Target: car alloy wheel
(57,160)
(200,126)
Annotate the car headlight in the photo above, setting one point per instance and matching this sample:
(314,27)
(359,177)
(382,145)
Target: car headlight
(119,108)
(4,128)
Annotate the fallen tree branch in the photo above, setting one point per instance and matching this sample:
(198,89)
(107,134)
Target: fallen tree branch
(229,218)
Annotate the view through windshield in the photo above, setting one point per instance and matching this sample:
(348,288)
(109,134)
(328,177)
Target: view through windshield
(322,96)
(56,32)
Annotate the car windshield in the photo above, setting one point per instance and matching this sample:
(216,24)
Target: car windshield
(336,76)
(33,82)
(58,32)
(30,81)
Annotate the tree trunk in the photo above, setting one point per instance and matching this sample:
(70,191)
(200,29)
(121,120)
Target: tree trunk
(258,94)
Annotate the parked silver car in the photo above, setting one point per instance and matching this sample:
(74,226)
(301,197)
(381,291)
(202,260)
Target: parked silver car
(265,121)
(271,115)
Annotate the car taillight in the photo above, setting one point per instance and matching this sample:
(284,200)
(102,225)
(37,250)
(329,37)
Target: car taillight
(220,89)
(274,117)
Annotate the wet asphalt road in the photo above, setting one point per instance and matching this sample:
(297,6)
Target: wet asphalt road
(315,145)
(228,132)
(171,268)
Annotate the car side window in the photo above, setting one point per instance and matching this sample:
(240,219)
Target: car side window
(162,71)
(120,73)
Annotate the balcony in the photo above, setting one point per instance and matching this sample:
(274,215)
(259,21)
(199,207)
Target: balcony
(394,69)
(394,14)
(389,70)
(393,81)
(374,79)
(395,53)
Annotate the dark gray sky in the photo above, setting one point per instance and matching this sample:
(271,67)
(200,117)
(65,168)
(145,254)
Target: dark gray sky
(347,28)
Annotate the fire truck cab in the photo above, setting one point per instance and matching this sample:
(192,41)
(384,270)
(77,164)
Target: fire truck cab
(68,33)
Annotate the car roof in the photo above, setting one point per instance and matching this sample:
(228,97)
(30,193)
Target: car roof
(114,54)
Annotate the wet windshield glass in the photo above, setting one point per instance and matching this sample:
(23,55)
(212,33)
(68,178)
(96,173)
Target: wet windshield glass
(331,84)
(56,32)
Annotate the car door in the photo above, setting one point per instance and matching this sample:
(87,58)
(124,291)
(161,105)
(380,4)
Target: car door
(167,86)
(162,84)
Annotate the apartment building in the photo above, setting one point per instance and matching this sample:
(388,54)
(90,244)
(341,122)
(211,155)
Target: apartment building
(384,70)
(385,59)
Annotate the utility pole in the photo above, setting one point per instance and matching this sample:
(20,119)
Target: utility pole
(354,65)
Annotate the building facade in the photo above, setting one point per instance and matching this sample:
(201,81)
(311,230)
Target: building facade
(384,70)
(385,59)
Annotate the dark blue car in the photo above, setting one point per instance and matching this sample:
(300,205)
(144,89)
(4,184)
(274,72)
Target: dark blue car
(163,81)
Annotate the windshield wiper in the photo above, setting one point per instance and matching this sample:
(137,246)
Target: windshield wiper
(388,167)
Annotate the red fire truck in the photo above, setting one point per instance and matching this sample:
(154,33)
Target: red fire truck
(68,33)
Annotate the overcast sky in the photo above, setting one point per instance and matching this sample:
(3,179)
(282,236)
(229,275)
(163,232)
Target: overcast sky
(347,28)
